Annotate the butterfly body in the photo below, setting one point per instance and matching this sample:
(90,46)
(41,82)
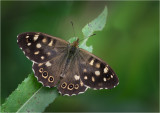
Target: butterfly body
(56,62)
(72,52)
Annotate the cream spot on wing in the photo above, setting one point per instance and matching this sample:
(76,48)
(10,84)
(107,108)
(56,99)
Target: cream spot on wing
(42,57)
(85,77)
(38,45)
(50,43)
(85,70)
(104,79)
(76,77)
(27,36)
(97,73)
(48,64)
(28,44)
(111,76)
(40,64)
(48,53)
(98,65)
(35,37)
(81,83)
(44,40)
(91,63)
(105,69)
(36,53)
(93,79)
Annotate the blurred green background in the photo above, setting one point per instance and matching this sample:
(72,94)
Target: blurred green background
(129,43)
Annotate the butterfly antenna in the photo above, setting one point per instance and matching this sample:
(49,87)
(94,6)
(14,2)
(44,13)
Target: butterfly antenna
(73,29)
(87,37)
(92,35)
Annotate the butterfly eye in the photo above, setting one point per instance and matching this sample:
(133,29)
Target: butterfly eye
(70,86)
(45,74)
(64,85)
(76,86)
(50,79)
(41,70)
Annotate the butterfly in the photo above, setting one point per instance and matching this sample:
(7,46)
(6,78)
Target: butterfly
(58,63)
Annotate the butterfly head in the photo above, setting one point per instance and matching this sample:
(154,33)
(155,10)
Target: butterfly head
(75,43)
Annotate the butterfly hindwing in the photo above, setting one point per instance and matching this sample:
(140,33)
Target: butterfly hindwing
(95,73)
(40,47)
(71,84)
(48,73)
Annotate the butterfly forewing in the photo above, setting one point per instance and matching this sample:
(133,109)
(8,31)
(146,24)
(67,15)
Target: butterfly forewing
(95,73)
(40,47)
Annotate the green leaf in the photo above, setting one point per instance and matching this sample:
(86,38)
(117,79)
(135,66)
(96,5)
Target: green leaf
(96,25)
(30,96)
(84,46)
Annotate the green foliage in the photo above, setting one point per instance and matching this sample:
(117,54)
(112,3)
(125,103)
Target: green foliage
(30,96)
(39,100)
(95,25)
(23,93)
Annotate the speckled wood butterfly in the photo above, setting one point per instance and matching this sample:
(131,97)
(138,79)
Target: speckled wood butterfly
(56,62)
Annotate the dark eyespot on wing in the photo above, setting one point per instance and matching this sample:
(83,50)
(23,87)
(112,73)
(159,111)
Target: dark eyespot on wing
(72,87)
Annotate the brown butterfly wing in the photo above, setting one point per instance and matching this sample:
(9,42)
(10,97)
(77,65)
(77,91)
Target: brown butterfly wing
(95,73)
(40,47)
